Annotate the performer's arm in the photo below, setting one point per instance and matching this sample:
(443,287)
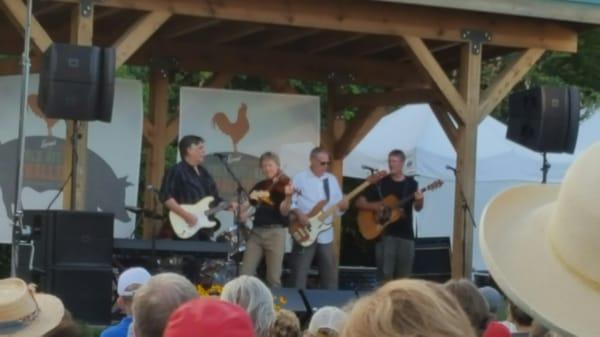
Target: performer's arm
(362,204)
(337,194)
(286,204)
(419,199)
(173,206)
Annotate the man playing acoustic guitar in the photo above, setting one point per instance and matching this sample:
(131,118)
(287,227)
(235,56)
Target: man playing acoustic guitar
(395,248)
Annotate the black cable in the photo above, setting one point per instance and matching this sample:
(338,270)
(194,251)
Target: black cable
(76,159)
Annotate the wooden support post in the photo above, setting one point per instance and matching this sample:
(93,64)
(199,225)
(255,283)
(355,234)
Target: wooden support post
(156,127)
(82,30)
(17,13)
(469,86)
(357,129)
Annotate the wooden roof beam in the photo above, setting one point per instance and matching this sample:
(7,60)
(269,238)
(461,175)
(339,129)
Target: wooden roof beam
(427,61)
(375,18)
(331,41)
(232,33)
(391,98)
(17,13)
(138,33)
(357,129)
(289,65)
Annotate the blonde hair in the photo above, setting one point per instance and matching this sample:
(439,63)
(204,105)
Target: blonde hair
(286,325)
(408,307)
(272,156)
(253,296)
(154,302)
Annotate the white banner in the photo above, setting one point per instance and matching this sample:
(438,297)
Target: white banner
(113,157)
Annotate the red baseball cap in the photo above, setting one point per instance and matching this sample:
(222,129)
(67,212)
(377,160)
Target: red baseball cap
(209,317)
(496,329)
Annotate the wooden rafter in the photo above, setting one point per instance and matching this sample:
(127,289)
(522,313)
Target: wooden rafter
(172,130)
(426,59)
(388,99)
(183,27)
(330,41)
(138,33)
(373,17)
(289,65)
(288,37)
(512,74)
(17,13)
(357,129)
(231,33)
(148,131)
(443,117)
(49,9)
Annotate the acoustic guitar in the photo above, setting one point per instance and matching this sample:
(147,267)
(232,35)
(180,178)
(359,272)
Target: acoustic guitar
(372,223)
(306,233)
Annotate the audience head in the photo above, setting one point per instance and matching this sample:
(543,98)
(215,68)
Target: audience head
(66,328)
(408,308)
(286,325)
(494,299)
(24,313)
(538,330)
(129,281)
(209,317)
(253,296)
(519,317)
(327,321)
(472,302)
(156,300)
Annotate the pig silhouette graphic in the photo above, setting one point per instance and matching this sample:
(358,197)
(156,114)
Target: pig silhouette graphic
(43,171)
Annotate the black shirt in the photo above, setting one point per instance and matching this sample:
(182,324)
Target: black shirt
(182,183)
(402,228)
(269,214)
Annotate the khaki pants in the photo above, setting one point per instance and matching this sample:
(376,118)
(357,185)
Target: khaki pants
(302,261)
(269,242)
(394,258)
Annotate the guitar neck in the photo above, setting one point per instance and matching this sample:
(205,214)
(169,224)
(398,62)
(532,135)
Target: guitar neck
(220,207)
(331,210)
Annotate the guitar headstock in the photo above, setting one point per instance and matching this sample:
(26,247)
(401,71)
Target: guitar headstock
(435,185)
(377,176)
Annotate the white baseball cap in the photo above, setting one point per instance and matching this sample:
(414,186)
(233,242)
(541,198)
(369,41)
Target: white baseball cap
(329,318)
(132,279)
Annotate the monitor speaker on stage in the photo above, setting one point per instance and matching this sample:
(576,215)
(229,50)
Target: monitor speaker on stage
(545,119)
(77,82)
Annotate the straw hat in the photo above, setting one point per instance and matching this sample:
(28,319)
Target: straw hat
(542,245)
(23,313)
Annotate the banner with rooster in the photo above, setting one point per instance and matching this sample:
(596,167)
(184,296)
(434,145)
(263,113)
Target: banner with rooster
(113,155)
(244,125)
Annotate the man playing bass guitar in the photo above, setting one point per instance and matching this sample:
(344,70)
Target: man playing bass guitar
(395,248)
(316,185)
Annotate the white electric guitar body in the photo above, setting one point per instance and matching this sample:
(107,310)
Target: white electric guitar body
(202,211)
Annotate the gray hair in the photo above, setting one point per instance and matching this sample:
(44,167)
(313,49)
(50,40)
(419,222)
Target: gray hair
(154,302)
(251,294)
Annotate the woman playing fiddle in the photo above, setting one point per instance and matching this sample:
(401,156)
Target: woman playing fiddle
(272,201)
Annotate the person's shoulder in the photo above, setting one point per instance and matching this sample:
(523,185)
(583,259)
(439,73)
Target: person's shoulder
(117,330)
(300,175)
(411,180)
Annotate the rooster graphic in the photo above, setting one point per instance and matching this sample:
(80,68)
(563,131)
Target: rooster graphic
(32,101)
(235,130)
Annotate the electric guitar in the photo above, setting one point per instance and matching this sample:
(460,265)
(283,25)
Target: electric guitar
(306,233)
(372,223)
(202,211)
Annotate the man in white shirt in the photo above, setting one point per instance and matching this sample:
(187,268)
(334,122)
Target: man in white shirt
(315,185)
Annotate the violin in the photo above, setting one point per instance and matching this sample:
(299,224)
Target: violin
(264,191)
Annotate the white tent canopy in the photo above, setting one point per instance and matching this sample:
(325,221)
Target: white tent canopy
(500,162)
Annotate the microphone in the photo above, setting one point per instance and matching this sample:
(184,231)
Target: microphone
(368,168)
(448,167)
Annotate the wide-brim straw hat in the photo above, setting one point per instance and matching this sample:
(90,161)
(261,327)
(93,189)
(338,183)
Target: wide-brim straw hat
(541,244)
(23,313)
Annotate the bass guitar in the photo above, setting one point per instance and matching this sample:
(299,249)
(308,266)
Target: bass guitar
(372,223)
(306,233)
(202,211)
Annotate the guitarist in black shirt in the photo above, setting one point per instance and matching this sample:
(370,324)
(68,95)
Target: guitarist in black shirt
(395,248)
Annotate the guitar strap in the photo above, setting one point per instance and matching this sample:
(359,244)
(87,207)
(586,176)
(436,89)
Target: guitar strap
(326,188)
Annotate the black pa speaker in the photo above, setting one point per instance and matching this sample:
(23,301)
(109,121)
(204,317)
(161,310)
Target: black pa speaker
(77,82)
(71,257)
(545,119)
(317,298)
(432,259)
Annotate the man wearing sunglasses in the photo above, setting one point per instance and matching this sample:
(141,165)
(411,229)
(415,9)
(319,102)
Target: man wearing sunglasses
(315,185)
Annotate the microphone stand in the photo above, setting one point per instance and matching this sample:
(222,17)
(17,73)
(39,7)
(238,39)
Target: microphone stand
(238,216)
(18,227)
(466,211)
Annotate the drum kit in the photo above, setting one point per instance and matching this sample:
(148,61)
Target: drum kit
(212,270)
